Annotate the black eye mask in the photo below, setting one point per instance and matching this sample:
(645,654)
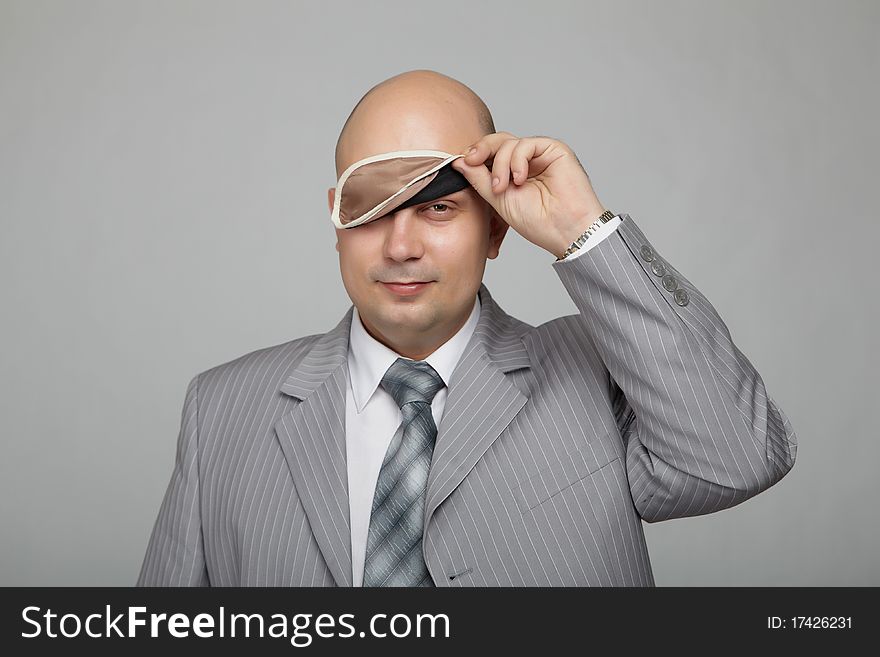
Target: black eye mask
(378,185)
(447,181)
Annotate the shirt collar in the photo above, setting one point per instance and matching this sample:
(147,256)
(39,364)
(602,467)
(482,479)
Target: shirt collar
(369,359)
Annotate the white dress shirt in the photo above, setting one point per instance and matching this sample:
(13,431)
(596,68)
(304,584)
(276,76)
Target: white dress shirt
(372,416)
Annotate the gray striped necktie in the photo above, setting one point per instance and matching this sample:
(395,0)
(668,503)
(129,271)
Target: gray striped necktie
(394,541)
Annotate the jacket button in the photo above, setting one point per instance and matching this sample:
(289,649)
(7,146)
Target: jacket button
(658,268)
(647,253)
(681,297)
(669,282)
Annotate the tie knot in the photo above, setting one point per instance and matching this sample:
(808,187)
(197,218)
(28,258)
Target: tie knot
(411,380)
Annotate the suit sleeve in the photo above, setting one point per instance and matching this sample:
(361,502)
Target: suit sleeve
(700,431)
(175,553)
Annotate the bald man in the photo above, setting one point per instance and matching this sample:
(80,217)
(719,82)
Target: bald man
(431,439)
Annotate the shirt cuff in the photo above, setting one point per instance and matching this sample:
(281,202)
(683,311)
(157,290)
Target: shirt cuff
(601,233)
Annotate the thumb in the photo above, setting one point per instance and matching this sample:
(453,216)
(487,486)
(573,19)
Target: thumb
(479,177)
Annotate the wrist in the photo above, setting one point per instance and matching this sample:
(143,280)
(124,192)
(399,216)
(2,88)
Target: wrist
(577,228)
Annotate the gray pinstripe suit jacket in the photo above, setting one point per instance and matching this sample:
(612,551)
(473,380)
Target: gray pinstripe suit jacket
(555,443)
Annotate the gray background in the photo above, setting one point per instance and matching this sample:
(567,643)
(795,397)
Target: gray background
(163,180)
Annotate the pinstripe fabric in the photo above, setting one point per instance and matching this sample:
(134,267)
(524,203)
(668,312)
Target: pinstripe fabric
(556,442)
(394,542)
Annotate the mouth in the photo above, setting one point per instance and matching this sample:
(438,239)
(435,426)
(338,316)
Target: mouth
(403,288)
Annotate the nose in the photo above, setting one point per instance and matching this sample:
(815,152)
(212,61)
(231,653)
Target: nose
(403,239)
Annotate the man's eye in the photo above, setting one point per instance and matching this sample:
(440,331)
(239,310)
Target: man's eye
(433,206)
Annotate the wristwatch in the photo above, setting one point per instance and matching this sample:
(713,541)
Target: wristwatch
(605,217)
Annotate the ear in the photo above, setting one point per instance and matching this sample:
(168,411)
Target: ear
(497,230)
(331,196)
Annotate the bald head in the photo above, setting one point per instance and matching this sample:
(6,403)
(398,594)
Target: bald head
(418,109)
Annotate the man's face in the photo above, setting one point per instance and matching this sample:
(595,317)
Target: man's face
(443,243)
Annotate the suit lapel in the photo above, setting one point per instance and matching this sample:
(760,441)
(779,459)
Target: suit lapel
(481,401)
(312,437)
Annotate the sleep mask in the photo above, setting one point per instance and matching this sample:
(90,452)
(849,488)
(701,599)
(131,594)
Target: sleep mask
(380,184)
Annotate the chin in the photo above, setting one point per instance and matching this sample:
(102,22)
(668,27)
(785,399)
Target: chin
(414,314)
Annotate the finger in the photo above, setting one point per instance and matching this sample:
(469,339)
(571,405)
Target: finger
(479,177)
(519,160)
(546,151)
(501,166)
(486,147)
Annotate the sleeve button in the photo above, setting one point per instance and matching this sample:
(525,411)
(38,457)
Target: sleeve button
(681,297)
(647,253)
(669,282)
(658,268)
